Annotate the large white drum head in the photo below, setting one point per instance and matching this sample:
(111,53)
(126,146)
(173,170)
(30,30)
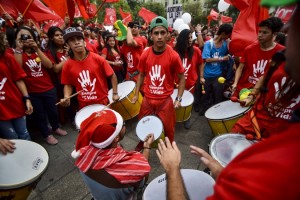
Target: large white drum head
(24,166)
(149,124)
(123,90)
(85,112)
(187,97)
(198,184)
(224,110)
(225,147)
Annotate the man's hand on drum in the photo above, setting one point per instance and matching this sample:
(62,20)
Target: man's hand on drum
(115,97)
(177,104)
(214,166)
(6,146)
(148,140)
(247,101)
(65,102)
(134,99)
(169,155)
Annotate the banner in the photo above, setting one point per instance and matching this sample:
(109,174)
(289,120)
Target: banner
(285,13)
(173,12)
(110,16)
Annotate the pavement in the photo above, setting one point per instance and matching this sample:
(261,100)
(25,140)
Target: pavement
(62,180)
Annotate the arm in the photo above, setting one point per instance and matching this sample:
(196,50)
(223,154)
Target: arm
(129,38)
(45,60)
(255,92)
(238,74)
(201,70)
(139,83)
(147,145)
(199,35)
(22,87)
(170,158)
(114,83)
(181,86)
(58,67)
(67,93)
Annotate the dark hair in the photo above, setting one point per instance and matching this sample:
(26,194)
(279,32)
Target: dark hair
(280,38)
(30,30)
(182,47)
(273,23)
(225,28)
(51,45)
(10,34)
(107,45)
(2,46)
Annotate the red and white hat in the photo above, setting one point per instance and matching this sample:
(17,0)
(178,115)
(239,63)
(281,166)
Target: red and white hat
(100,129)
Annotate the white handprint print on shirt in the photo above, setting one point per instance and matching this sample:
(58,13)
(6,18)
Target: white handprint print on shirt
(85,81)
(2,83)
(259,68)
(186,68)
(34,66)
(155,76)
(216,55)
(129,60)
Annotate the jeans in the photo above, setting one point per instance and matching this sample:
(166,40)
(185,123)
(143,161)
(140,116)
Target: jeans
(44,106)
(14,129)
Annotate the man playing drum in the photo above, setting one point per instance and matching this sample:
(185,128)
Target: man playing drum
(263,171)
(87,72)
(109,171)
(158,67)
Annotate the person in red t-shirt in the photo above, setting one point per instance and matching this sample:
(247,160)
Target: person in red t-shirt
(135,30)
(266,169)
(159,65)
(38,82)
(132,50)
(87,72)
(254,63)
(12,93)
(112,54)
(191,59)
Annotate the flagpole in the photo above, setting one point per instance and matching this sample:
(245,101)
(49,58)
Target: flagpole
(27,7)
(99,8)
(10,21)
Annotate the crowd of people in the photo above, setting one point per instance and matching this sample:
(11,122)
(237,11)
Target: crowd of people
(40,68)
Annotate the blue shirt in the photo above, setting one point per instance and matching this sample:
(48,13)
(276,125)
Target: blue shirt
(213,69)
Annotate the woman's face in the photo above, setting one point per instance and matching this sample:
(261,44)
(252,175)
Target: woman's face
(21,34)
(111,42)
(5,41)
(58,38)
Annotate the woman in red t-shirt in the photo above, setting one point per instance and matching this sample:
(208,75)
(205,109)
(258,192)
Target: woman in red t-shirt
(12,89)
(112,54)
(41,90)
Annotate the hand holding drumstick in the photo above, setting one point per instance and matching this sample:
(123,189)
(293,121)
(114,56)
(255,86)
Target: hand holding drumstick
(65,102)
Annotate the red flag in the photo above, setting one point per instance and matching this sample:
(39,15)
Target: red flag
(62,8)
(147,15)
(83,6)
(37,10)
(126,16)
(214,15)
(50,23)
(245,29)
(226,19)
(110,16)
(285,13)
(228,1)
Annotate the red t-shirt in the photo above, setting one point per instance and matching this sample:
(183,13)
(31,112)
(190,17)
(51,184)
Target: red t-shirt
(255,64)
(132,54)
(160,72)
(266,170)
(144,40)
(114,58)
(88,75)
(37,80)
(11,103)
(191,68)
(90,47)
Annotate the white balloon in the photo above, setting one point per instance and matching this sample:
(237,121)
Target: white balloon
(187,18)
(182,27)
(177,23)
(222,6)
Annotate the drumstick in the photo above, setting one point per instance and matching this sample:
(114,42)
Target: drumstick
(191,88)
(129,100)
(73,95)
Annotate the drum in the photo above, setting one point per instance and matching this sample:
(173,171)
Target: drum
(124,106)
(198,185)
(225,147)
(150,124)
(20,171)
(184,112)
(85,112)
(222,116)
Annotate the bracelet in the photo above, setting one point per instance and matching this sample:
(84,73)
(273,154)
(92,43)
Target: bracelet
(26,97)
(179,99)
(146,148)
(115,93)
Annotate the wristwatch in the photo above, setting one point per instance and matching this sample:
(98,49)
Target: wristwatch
(179,99)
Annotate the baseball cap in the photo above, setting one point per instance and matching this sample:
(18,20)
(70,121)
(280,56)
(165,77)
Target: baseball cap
(70,32)
(278,2)
(158,21)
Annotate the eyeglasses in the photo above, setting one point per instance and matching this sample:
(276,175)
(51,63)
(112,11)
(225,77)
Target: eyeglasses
(160,32)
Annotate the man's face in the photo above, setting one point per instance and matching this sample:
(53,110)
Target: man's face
(264,35)
(159,36)
(135,30)
(293,46)
(76,44)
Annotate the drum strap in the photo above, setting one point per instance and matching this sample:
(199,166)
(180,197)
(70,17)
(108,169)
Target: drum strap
(255,125)
(133,74)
